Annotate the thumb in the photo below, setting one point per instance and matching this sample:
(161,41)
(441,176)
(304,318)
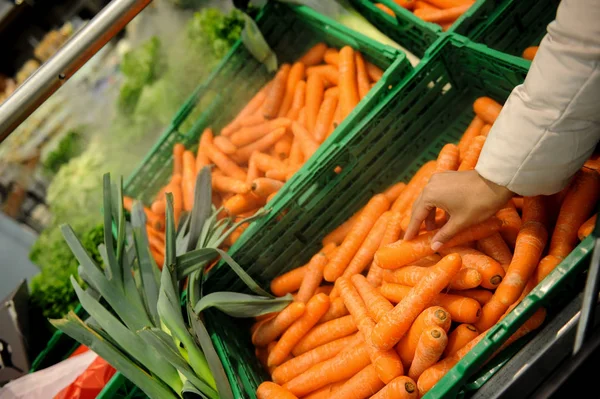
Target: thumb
(446,233)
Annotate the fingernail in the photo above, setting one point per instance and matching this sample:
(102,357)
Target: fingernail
(436,245)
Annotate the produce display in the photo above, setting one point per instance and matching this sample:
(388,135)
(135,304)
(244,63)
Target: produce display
(270,139)
(441,12)
(399,315)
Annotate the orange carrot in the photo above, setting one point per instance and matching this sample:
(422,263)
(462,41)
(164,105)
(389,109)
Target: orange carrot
(328,73)
(277,174)
(419,4)
(490,313)
(276,93)
(242,203)
(314,55)
(487,109)
(392,327)
(518,202)
(434,316)
(359,231)
(202,159)
(429,349)
(178,150)
(243,154)
(465,279)
(491,271)
(385,9)
(225,145)
(250,134)
(283,146)
(336,310)
(314,98)
(410,193)
(530,52)
(288,282)
(270,390)
(297,101)
(375,73)
(313,277)
(472,155)
(326,391)
(361,75)
(324,118)
(377,305)
(394,191)
(296,75)
(224,163)
(264,186)
(159,206)
(480,295)
(462,335)
(265,162)
(362,385)
(586,228)
(332,92)
(400,388)
(472,131)
(448,158)
(349,96)
(337,117)
(229,185)
(297,365)
(462,309)
(252,120)
(441,16)
(485,130)
(511,223)
(175,189)
(325,333)
(306,141)
(315,308)
(188,181)
(271,329)
(331,57)
(495,247)
(339,233)
(365,253)
(386,361)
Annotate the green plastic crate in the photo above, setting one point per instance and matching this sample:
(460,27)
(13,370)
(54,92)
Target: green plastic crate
(508,25)
(120,387)
(433,107)
(290,31)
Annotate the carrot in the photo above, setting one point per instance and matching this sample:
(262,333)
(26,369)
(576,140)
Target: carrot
(332,92)
(392,327)
(586,228)
(336,310)
(404,253)
(530,243)
(465,279)
(314,98)
(188,181)
(434,316)
(178,150)
(242,203)
(297,101)
(386,361)
(448,158)
(485,130)
(365,253)
(314,55)
(276,93)
(375,73)
(462,335)
(518,202)
(480,295)
(225,145)
(472,155)
(349,96)
(362,385)
(288,282)
(359,231)
(410,193)
(202,159)
(252,120)
(296,156)
(441,16)
(361,75)
(326,391)
(511,223)
(315,308)
(487,109)
(243,154)
(491,313)
(328,73)
(283,147)
(448,3)
(400,388)
(306,141)
(579,202)
(435,373)
(159,206)
(324,118)
(295,75)
(297,365)
(229,185)
(462,309)
(224,163)
(337,117)
(250,134)
(530,52)
(385,9)
(175,188)
(270,390)
(495,247)
(312,277)
(473,130)
(429,349)
(394,191)
(264,186)
(491,271)
(339,233)
(420,4)
(341,367)
(277,174)
(265,162)
(269,330)
(377,304)
(325,333)
(410,275)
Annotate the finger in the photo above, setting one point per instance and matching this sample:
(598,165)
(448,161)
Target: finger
(421,209)
(446,233)
(430,220)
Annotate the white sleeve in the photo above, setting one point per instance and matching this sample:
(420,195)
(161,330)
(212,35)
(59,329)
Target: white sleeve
(550,124)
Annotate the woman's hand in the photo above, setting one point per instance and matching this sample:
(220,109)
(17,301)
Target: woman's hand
(467,199)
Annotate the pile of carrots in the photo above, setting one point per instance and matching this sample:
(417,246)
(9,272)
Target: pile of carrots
(441,12)
(378,317)
(270,138)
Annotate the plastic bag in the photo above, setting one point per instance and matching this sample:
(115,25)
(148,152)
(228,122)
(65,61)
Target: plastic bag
(89,384)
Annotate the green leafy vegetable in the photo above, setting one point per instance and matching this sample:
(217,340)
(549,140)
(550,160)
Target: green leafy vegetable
(217,30)
(69,147)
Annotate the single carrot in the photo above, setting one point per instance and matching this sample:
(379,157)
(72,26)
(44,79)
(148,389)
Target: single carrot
(392,327)
(480,295)
(434,316)
(336,310)
(312,277)
(243,154)
(441,16)
(586,228)
(349,96)
(511,223)
(400,388)
(229,185)
(324,118)
(298,365)
(296,156)
(276,93)
(325,333)
(465,279)
(328,73)
(473,130)
(175,189)
(271,329)
(429,349)
(386,361)
(448,158)
(339,233)
(448,3)
(253,171)
(264,186)
(421,4)
(326,391)
(224,163)
(491,271)
(361,75)
(332,92)
(530,52)
(394,191)
(331,57)
(314,55)
(242,203)
(461,308)
(288,282)
(250,134)
(315,308)
(225,145)
(365,253)
(270,390)
(462,335)
(265,162)
(485,130)
(283,147)
(377,304)
(277,174)
(487,109)
(385,9)
(296,74)
(362,385)
(495,247)
(251,120)
(314,98)
(410,193)
(359,231)
(518,202)
(391,234)
(306,141)
(298,101)
(490,313)
(159,206)
(178,150)
(337,117)
(472,155)
(202,159)
(188,181)
(375,73)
